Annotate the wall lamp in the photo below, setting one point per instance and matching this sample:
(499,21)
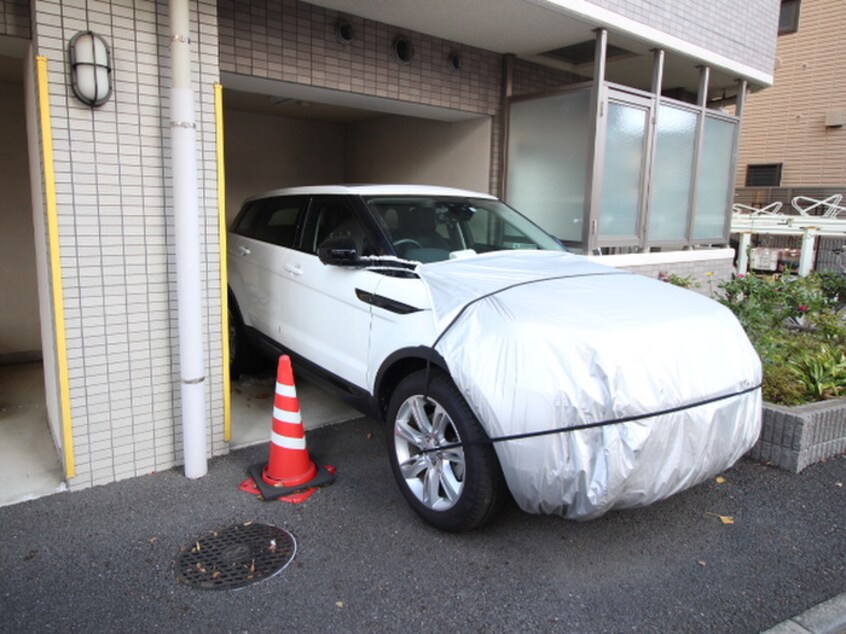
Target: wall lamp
(90,68)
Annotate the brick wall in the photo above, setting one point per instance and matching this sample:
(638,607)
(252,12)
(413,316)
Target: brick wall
(116,236)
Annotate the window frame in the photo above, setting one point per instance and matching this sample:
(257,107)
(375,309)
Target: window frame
(793,26)
(779,170)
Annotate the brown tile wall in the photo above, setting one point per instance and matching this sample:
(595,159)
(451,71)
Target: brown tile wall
(786,123)
(293,41)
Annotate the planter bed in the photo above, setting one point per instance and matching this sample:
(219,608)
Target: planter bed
(794,437)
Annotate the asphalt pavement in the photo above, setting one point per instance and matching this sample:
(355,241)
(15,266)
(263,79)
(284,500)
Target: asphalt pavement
(740,555)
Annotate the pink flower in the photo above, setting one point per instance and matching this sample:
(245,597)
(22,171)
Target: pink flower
(740,276)
(803,308)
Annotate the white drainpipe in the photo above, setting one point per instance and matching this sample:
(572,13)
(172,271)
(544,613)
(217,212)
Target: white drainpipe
(184,170)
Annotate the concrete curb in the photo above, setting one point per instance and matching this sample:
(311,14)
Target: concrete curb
(826,618)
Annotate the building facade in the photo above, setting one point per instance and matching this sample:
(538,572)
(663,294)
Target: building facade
(794,133)
(603,120)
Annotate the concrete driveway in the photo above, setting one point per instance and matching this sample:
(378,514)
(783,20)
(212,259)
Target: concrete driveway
(102,559)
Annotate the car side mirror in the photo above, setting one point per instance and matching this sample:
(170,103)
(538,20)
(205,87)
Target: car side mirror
(338,251)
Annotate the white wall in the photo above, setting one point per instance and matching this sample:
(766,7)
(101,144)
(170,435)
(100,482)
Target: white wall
(265,152)
(406,150)
(19,322)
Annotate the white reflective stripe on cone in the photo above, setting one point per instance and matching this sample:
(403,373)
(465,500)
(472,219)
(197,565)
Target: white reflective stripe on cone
(287,443)
(286,416)
(286,390)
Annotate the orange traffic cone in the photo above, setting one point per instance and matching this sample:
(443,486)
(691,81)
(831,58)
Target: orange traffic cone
(290,474)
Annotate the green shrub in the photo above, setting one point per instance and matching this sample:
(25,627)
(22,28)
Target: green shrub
(794,324)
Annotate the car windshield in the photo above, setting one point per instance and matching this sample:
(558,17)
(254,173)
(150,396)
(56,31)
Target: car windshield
(430,228)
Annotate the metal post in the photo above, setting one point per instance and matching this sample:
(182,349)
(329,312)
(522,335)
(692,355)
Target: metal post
(809,242)
(743,252)
(186,225)
(596,151)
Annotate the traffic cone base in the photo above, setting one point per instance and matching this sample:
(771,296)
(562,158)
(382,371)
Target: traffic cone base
(270,492)
(302,496)
(249,486)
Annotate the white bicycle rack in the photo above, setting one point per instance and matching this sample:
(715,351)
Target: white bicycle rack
(746,220)
(831,205)
(769,210)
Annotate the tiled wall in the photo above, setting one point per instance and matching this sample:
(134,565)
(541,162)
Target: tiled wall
(14,18)
(296,42)
(741,31)
(116,236)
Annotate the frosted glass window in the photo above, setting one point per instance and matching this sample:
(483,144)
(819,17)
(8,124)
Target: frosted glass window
(623,175)
(672,177)
(547,161)
(714,179)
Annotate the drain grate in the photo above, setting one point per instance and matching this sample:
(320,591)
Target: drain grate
(235,556)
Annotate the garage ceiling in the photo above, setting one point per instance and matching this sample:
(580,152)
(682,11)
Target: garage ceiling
(532,27)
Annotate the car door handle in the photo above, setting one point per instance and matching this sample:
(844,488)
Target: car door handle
(294,269)
(242,250)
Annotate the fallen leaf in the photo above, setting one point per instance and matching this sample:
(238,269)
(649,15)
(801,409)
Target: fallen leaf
(720,480)
(216,574)
(725,519)
(152,540)
(369,435)
(701,562)
(839,485)
(339,604)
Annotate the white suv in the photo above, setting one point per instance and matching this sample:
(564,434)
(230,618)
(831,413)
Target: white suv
(498,359)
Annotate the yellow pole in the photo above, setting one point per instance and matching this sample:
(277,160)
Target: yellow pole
(55,263)
(224,281)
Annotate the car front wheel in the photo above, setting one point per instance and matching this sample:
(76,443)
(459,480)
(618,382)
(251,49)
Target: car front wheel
(440,456)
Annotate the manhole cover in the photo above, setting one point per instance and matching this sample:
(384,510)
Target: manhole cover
(235,557)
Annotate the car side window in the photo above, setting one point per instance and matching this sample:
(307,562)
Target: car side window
(330,217)
(246,219)
(277,220)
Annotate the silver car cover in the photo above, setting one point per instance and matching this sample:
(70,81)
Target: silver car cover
(539,341)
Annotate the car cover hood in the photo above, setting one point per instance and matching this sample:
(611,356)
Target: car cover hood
(665,379)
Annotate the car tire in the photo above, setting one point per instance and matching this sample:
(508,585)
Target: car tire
(243,358)
(456,490)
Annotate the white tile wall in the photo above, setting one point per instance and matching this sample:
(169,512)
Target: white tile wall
(116,236)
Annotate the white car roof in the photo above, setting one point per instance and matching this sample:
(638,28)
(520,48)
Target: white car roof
(374,190)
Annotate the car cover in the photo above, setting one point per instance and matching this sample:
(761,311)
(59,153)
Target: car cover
(599,388)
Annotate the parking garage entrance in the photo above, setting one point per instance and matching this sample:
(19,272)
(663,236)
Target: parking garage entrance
(284,135)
